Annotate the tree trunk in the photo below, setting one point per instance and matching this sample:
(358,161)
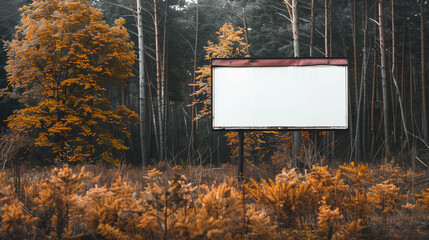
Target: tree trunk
(403,95)
(392,75)
(361,95)
(384,77)
(401,107)
(364,79)
(331,12)
(142,89)
(312,29)
(398,93)
(193,134)
(246,35)
(164,99)
(355,55)
(295,29)
(329,134)
(422,77)
(151,128)
(374,76)
(326,28)
(411,82)
(160,91)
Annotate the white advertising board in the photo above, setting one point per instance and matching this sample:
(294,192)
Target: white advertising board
(254,94)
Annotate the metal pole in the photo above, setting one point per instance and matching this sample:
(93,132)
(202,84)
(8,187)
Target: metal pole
(240,155)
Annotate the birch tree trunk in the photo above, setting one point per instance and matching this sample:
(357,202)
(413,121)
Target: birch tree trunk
(329,134)
(384,77)
(332,133)
(164,99)
(326,28)
(160,92)
(295,29)
(296,149)
(142,89)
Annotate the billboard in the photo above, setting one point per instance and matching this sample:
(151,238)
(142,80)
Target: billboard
(279,94)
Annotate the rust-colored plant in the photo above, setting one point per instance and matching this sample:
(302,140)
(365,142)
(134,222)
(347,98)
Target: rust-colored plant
(384,197)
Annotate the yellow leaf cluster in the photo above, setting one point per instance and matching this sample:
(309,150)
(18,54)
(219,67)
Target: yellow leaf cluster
(14,219)
(63,57)
(385,196)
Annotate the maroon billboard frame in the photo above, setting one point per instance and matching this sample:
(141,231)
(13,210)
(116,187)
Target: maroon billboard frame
(266,62)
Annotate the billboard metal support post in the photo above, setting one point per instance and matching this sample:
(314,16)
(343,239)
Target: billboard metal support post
(240,155)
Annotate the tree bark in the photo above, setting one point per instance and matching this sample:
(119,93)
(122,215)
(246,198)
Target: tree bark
(392,75)
(422,76)
(160,91)
(384,77)
(411,82)
(361,95)
(295,29)
(403,94)
(355,55)
(326,28)
(374,76)
(142,89)
(331,12)
(246,35)
(164,99)
(312,29)
(364,79)
(193,134)
(329,134)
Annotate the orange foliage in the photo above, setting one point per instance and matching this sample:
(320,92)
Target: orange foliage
(68,204)
(61,60)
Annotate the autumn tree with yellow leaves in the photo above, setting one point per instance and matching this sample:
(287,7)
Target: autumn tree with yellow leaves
(61,61)
(230,45)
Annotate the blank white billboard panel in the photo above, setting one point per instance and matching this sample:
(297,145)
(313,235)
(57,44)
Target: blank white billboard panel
(279,97)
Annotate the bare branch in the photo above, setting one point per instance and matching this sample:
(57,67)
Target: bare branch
(121,6)
(284,16)
(378,24)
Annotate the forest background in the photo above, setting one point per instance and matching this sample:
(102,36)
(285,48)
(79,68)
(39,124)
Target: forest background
(383,40)
(128,82)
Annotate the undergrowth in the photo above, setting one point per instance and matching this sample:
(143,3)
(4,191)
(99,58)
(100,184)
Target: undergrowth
(92,202)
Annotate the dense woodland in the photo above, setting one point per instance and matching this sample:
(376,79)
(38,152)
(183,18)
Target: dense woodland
(122,83)
(154,107)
